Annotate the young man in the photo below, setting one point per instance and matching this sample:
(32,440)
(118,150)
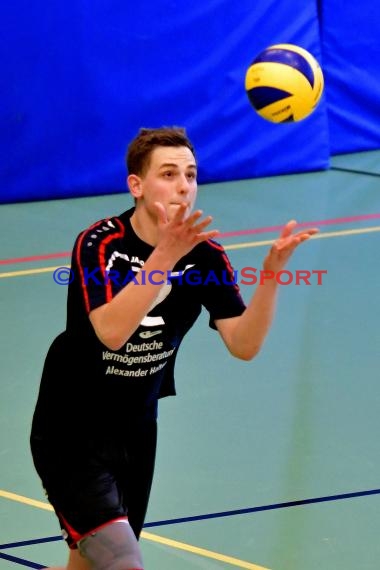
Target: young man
(132,300)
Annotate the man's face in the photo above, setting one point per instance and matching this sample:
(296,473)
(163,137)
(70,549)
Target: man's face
(170,179)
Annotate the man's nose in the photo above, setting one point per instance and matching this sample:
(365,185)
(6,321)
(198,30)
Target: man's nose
(183,185)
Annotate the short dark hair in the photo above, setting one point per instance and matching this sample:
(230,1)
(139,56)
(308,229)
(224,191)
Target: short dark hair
(140,149)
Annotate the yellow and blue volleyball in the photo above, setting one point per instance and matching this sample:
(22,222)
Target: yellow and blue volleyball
(284,83)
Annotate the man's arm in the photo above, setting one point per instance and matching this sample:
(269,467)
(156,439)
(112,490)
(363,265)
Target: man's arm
(245,335)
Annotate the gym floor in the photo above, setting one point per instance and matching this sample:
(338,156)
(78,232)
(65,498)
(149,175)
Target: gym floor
(272,464)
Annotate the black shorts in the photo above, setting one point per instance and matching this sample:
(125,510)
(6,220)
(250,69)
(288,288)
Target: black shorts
(92,483)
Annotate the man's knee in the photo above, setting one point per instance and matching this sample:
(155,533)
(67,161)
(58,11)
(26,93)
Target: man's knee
(112,547)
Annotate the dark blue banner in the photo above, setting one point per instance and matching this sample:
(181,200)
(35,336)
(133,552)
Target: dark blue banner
(351,60)
(80,78)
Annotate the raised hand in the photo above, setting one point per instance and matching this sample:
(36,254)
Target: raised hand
(285,245)
(180,234)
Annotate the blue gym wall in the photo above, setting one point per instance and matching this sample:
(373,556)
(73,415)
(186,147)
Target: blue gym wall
(80,78)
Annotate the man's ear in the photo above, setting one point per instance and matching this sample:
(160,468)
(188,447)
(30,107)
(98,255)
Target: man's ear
(134,185)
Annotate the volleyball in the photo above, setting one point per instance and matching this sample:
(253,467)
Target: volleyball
(284,83)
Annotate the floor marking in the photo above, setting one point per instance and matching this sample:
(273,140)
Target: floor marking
(222,235)
(31,542)
(272,507)
(146,535)
(277,228)
(26,500)
(323,235)
(233,246)
(35,258)
(201,551)
(352,171)
(21,561)
(31,271)
(157,538)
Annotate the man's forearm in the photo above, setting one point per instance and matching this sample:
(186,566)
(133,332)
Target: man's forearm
(116,321)
(253,325)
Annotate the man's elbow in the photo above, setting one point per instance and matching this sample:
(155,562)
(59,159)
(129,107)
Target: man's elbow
(246,353)
(112,342)
(109,337)
(106,332)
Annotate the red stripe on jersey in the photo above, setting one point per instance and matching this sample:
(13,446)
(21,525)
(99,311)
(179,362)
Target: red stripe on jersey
(79,263)
(102,265)
(229,267)
(82,280)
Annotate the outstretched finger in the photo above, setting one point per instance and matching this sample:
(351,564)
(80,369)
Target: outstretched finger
(288,229)
(190,221)
(161,213)
(203,224)
(309,232)
(304,237)
(204,236)
(295,239)
(180,213)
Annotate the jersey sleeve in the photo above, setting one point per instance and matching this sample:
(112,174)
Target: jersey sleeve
(89,262)
(220,291)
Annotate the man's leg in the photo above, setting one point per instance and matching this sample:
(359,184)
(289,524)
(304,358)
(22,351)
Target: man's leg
(112,547)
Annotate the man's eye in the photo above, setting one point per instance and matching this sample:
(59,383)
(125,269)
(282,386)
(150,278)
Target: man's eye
(168,174)
(191,175)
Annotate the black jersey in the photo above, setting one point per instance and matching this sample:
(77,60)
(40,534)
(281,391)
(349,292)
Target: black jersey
(87,387)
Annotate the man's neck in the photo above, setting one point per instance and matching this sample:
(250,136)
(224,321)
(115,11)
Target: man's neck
(144,226)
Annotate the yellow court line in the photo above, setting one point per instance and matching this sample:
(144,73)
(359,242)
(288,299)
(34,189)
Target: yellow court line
(148,536)
(232,246)
(25,500)
(201,551)
(31,271)
(321,235)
